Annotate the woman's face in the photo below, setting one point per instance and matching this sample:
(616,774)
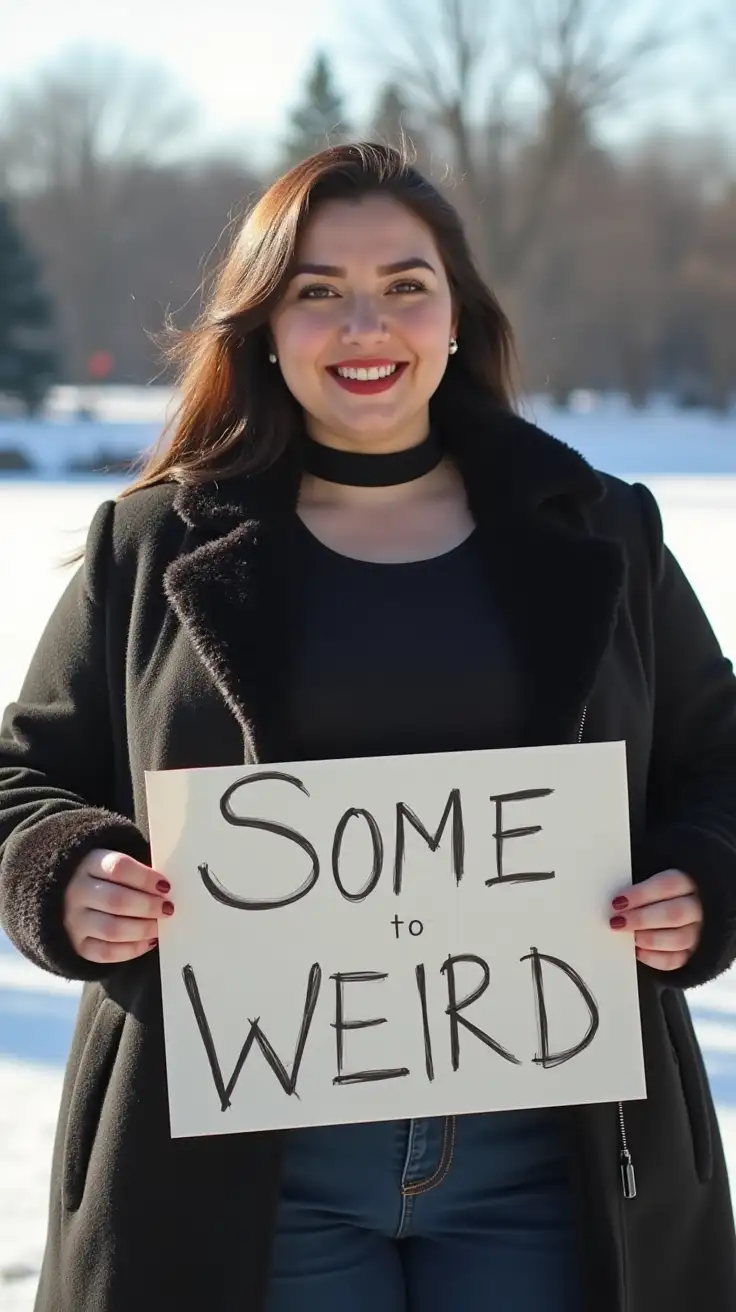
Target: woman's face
(369,293)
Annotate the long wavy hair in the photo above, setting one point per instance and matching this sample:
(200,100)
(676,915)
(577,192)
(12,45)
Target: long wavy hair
(235,414)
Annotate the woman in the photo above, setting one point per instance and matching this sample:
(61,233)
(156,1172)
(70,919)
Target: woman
(352,546)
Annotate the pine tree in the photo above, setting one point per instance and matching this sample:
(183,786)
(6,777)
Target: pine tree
(27,360)
(319,120)
(389,122)
(392,124)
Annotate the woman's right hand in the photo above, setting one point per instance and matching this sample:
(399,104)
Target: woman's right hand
(112,905)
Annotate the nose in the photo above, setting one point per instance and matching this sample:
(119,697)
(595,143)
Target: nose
(364,321)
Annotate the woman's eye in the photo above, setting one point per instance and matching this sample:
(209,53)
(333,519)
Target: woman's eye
(409,285)
(316,293)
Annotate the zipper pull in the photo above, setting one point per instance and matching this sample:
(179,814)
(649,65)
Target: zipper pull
(628,1175)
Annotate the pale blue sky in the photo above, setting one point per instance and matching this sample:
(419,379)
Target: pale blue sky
(244,60)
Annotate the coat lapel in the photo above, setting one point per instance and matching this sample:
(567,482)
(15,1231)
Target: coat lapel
(231,592)
(558,582)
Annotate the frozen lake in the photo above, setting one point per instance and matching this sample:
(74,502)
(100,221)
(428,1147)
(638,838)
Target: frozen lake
(694,476)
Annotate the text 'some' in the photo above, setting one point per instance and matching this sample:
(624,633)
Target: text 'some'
(391,938)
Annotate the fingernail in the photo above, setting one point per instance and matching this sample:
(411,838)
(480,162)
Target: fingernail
(153,942)
(163,886)
(619,903)
(168,908)
(618,922)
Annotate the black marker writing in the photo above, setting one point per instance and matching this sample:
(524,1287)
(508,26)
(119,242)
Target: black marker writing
(218,890)
(340,1025)
(501,835)
(377,843)
(454,1008)
(255,1035)
(545,1058)
(396,924)
(421,975)
(454,809)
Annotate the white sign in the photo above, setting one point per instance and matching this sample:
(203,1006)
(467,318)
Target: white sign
(392,938)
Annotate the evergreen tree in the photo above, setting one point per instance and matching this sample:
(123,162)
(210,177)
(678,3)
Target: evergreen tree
(27,360)
(319,120)
(392,124)
(389,122)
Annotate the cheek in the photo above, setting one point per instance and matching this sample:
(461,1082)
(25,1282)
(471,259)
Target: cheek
(299,341)
(427,328)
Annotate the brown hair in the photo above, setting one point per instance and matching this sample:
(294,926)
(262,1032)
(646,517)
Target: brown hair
(235,413)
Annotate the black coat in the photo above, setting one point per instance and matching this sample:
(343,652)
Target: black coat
(163,654)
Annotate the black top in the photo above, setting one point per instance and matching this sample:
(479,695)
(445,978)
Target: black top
(391,658)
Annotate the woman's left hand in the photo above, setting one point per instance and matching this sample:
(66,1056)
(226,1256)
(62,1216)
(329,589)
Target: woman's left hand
(666,916)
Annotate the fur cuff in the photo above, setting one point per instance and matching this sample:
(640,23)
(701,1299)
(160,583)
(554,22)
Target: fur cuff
(711,862)
(37,866)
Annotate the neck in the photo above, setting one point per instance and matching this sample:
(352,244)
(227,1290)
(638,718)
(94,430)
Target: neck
(443,479)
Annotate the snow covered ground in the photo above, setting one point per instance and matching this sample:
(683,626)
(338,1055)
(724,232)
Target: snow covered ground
(690,463)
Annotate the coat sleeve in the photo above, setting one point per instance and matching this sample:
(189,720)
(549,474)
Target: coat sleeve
(56,769)
(692,775)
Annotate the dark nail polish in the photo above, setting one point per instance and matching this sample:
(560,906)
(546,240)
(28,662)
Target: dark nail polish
(163,886)
(168,908)
(618,922)
(620,903)
(153,942)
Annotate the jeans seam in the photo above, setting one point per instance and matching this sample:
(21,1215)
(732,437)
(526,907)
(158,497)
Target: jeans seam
(406,1207)
(445,1162)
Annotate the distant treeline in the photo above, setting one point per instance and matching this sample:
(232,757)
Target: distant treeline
(618,268)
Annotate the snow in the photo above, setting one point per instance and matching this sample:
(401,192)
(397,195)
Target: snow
(689,461)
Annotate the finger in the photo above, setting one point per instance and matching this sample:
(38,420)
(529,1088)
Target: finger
(121,900)
(102,951)
(663,960)
(668,940)
(658,888)
(673,914)
(119,868)
(116,929)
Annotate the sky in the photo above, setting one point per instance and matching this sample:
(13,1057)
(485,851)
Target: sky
(244,61)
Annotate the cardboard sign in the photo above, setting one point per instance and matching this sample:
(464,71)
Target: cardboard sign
(392,938)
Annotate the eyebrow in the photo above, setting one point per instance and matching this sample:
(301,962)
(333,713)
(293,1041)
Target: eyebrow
(384,270)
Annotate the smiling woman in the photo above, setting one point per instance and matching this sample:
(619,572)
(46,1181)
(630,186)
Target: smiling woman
(351,262)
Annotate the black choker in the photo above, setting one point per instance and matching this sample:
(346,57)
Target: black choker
(361,469)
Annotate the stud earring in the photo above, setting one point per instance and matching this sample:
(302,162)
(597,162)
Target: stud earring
(273,357)
(452,349)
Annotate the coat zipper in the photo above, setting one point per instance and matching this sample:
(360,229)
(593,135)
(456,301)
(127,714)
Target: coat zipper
(628,1174)
(626,1163)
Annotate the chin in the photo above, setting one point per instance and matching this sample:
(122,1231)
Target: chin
(371,422)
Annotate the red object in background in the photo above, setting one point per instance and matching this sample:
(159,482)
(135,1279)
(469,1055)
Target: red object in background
(99,364)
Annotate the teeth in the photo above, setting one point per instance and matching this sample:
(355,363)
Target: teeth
(368,375)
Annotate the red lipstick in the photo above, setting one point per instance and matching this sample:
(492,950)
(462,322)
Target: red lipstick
(351,375)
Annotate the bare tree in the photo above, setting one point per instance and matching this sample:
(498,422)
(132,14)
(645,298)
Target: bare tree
(91,108)
(74,142)
(497,83)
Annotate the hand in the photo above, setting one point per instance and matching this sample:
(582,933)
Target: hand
(111,907)
(666,916)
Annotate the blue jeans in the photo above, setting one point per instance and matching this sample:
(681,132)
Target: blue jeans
(467,1214)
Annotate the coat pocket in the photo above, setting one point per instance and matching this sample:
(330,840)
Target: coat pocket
(88,1097)
(692,1080)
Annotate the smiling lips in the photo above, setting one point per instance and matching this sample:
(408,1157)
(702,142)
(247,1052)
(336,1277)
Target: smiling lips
(366,377)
